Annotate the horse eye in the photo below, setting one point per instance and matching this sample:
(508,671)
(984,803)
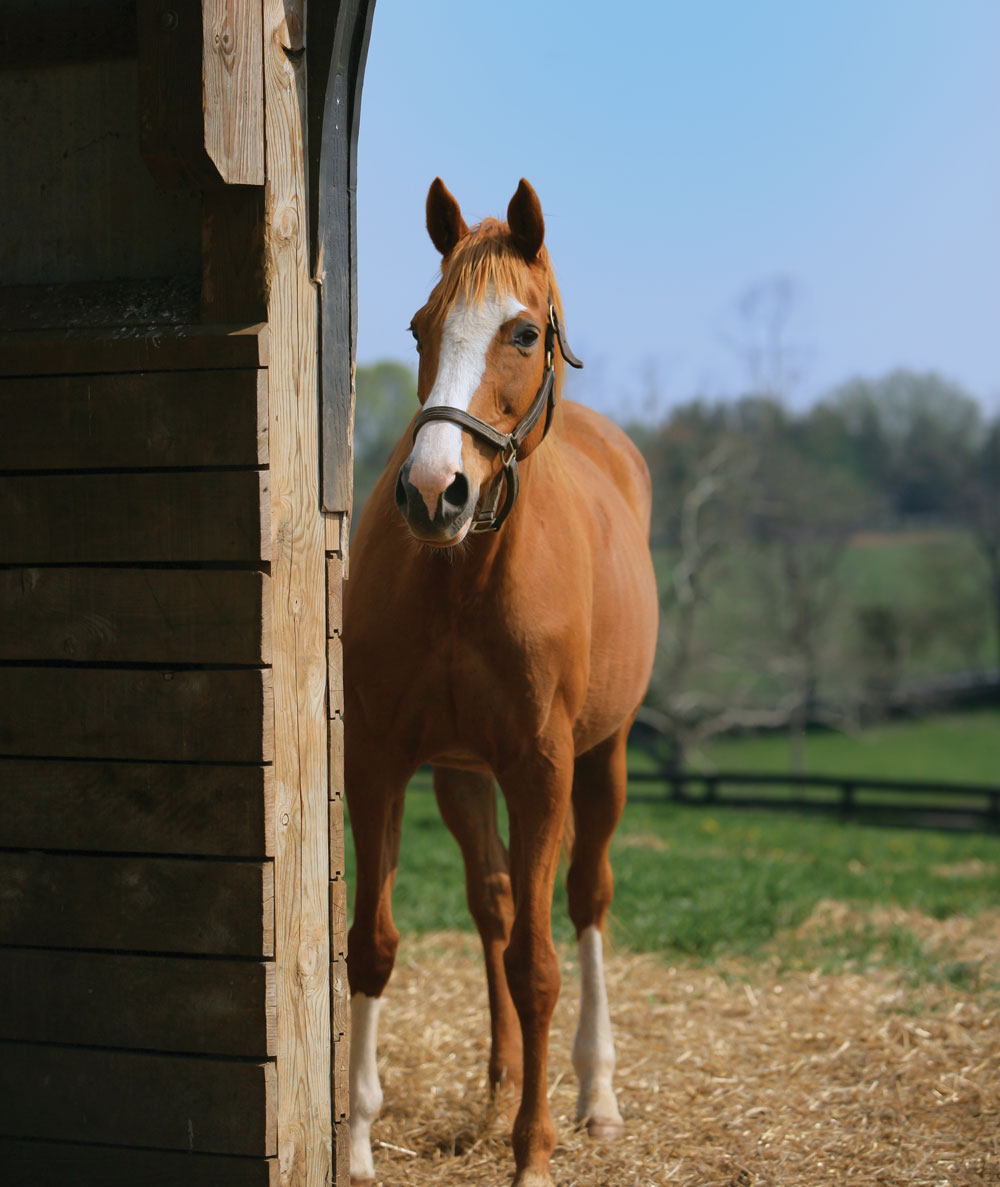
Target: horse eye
(526,336)
(416,336)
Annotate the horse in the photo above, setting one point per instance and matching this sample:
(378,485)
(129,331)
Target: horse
(500,623)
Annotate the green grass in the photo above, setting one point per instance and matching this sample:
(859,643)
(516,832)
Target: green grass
(708,885)
(957,747)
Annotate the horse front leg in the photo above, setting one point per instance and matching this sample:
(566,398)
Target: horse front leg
(375,791)
(537,791)
(468,806)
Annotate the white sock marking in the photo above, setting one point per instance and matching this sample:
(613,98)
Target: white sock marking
(593,1047)
(469,329)
(366,1091)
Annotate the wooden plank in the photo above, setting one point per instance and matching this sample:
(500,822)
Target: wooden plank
(233,282)
(341,1153)
(340,996)
(299,588)
(165,616)
(71,33)
(186,716)
(338,44)
(134,421)
(337,866)
(129,807)
(165,348)
(150,1003)
(182,517)
(340,1075)
(335,669)
(334,525)
(336,758)
(233,89)
(334,595)
(338,918)
(163,1101)
(44,1164)
(137,904)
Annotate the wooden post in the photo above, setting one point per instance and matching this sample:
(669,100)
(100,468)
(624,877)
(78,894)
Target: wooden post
(298,625)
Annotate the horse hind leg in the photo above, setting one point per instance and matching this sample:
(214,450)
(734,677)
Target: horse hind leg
(467,802)
(599,786)
(375,801)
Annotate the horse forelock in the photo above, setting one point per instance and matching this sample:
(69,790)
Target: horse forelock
(486,260)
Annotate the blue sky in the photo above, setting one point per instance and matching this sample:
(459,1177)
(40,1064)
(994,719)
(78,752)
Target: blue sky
(684,152)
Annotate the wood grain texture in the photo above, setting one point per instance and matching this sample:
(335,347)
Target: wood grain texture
(341,1153)
(233,89)
(167,348)
(336,758)
(335,594)
(335,675)
(150,1003)
(186,716)
(337,866)
(173,516)
(165,616)
(338,918)
(44,1164)
(134,421)
(299,624)
(162,1101)
(137,904)
(130,807)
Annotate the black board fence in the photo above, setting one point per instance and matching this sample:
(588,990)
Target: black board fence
(928,803)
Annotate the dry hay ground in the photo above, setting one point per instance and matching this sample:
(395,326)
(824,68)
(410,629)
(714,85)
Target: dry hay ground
(747,1075)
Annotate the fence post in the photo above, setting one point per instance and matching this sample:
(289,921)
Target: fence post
(847,804)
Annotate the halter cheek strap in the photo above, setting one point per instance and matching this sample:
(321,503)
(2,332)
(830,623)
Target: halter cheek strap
(489,519)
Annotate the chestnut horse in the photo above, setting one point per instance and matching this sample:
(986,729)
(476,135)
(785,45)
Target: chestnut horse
(501,620)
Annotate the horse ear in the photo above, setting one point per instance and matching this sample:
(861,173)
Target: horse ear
(527,227)
(445,224)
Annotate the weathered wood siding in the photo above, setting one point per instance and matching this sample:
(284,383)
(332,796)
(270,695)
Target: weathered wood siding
(137,737)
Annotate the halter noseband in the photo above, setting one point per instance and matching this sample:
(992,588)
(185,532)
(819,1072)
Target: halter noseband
(509,444)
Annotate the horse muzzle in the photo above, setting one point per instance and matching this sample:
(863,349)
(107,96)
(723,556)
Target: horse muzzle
(436,516)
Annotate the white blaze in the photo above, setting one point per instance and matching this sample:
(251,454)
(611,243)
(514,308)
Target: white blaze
(366,1091)
(468,331)
(593,1047)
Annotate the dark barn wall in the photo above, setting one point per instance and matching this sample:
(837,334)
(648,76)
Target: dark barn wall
(79,203)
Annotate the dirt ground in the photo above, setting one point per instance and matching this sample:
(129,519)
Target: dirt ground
(737,1077)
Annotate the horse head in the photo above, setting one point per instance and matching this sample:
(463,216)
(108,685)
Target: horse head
(488,368)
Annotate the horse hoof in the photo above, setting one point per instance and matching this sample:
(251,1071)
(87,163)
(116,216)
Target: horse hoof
(605,1131)
(362,1182)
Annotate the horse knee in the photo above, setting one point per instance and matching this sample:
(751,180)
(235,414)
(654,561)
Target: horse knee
(370,959)
(590,890)
(533,978)
(492,906)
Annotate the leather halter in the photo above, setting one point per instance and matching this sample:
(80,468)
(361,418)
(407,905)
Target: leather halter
(508,445)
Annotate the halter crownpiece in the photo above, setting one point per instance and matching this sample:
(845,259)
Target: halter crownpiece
(508,444)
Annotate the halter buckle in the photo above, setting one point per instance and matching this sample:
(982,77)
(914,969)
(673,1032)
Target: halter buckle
(508,453)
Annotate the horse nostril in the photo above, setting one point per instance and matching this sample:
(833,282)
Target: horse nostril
(457,494)
(400,492)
